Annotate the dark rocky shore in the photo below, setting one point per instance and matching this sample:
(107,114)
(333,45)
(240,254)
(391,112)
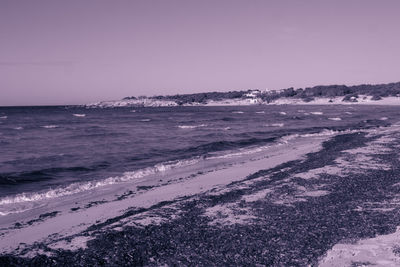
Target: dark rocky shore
(283,229)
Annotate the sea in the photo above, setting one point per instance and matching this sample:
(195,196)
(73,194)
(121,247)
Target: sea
(51,151)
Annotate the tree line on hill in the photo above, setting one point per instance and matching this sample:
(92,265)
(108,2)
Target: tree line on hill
(349,93)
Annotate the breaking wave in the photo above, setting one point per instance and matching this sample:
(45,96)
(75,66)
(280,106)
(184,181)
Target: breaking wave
(275,125)
(325,132)
(79,115)
(335,119)
(85,186)
(191,126)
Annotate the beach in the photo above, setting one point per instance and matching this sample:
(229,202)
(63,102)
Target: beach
(115,201)
(324,197)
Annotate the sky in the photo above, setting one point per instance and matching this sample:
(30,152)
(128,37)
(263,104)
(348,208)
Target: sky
(80,51)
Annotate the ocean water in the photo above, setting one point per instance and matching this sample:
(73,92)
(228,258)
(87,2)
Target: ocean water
(46,152)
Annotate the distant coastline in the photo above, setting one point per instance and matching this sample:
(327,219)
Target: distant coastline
(378,94)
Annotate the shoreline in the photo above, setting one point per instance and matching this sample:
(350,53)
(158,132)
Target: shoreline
(361,100)
(334,200)
(66,222)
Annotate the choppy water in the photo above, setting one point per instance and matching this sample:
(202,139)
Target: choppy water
(48,151)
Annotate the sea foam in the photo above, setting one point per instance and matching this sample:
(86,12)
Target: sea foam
(275,125)
(79,115)
(191,126)
(335,119)
(85,186)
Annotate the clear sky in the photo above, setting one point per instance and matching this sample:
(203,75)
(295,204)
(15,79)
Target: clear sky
(79,51)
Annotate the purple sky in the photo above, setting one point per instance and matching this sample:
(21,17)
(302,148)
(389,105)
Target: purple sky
(74,52)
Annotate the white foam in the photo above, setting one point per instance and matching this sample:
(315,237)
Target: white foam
(191,126)
(241,152)
(238,112)
(260,112)
(285,139)
(335,119)
(384,118)
(317,113)
(85,186)
(331,132)
(49,126)
(275,125)
(3,117)
(4,213)
(145,120)
(79,115)
(322,133)
(282,113)
(347,112)
(18,128)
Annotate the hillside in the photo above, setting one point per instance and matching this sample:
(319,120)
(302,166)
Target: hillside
(335,94)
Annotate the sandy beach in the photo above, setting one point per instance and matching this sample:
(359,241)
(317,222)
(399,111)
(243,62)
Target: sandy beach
(74,216)
(328,199)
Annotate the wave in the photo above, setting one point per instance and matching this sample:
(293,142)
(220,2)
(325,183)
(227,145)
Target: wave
(49,126)
(317,113)
(326,132)
(85,186)
(237,112)
(298,118)
(144,120)
(39,175)
(228,119)
(241,152)
(99,134)
(284,140)
(260,112)
(18,128)
(216,146)
(335,119)
(191,126)
(3,117)
(282,113)
(79,115)
(275,125)
(384,118)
